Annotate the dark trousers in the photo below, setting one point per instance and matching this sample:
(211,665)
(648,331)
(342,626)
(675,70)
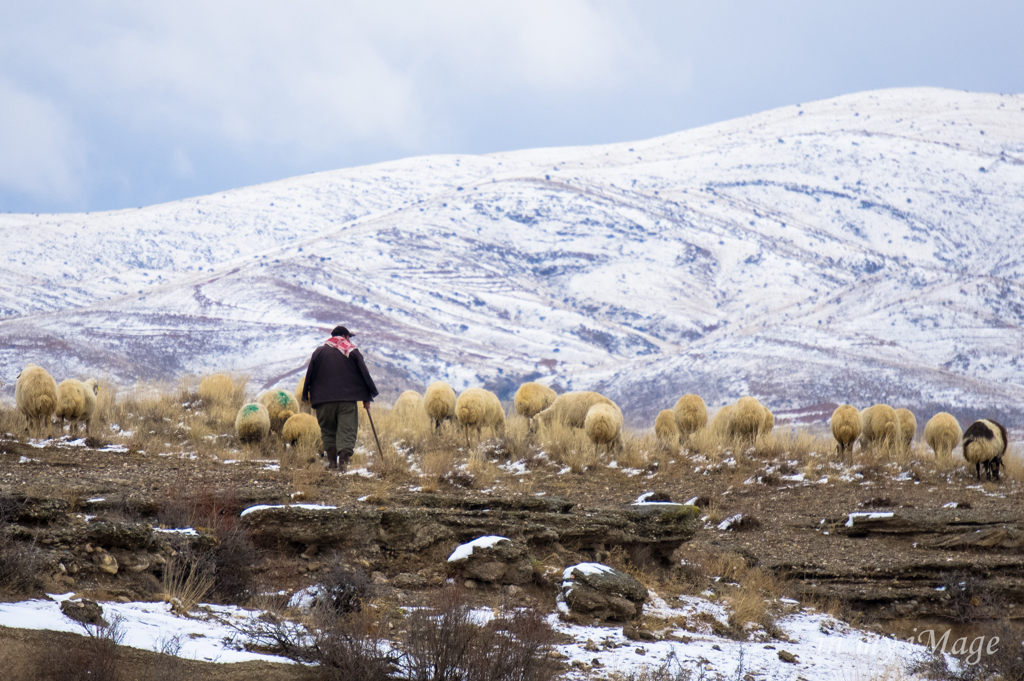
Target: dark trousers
(339,424)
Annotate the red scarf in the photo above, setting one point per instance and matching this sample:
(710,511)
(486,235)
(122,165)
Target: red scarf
(341,343)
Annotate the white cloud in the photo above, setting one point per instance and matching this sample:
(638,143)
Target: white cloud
(39,156)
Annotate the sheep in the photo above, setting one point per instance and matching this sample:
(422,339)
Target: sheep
(439,402)
(280,406)
(216,389)
(76,403)
(302,430)
(747,419)
(665,428)
(720,421)
(603,425)
(36,397)
(477,409)
(880,427)
(571,409)
(533,398)
(408,410)
(691,414)
(942,433)
(252,423)
(985,443)
(846,426)
(304,407)
(908,427)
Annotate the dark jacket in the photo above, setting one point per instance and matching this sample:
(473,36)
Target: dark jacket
(333,377)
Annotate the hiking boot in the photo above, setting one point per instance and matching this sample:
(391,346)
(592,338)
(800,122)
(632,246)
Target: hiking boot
(332,458)
(343,458)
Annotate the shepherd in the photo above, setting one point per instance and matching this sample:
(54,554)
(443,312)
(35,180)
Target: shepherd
(336,380)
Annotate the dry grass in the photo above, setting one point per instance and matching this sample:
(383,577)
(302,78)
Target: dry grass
(569,447)
(187,581)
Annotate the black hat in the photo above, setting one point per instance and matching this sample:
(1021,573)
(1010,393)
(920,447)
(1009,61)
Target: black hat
(341,331)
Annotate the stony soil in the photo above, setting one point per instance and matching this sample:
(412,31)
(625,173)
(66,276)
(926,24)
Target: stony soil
(882,570)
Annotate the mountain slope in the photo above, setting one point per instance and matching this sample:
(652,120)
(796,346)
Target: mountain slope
(866,248)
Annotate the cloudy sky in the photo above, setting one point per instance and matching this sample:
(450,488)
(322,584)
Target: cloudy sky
(113,104)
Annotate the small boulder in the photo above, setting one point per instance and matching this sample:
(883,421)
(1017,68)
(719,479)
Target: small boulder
(84,611)
(105,562)
(593,590)
(492,560)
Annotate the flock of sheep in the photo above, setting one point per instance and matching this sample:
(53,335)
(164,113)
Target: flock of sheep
(880,426)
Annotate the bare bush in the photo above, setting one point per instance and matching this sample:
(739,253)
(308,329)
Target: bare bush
(93,657)
(21,566)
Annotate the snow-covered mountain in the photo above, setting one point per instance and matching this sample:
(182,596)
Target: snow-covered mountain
(865,248)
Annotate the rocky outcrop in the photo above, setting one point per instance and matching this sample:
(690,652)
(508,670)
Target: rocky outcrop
(440,526)
(503,562)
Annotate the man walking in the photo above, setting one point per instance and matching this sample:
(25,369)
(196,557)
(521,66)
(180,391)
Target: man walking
(336,380)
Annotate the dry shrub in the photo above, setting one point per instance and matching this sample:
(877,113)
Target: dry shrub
(21,566)
(483,470)
(188,578)
(437,466)
(87,658)
(393,465)
(569,447)
(517,442)
(444,642)
(12,421)
(637,449)
(794,443)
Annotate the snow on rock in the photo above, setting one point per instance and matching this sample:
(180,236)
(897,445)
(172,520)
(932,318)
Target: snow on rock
(868,516)
(464,551)
(261,507)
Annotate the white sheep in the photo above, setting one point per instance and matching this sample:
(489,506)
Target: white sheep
(984,444)
(216,389)
(943,433)
(76,403)
(719,425)
(665,428)
(748,419)
(880,428)
(439,402)
(477,409)
(302,430)
(533,398)
(35,395)
(408,411)
(280,406)
(846,426)
(691,414)
(570,409)
(908,427)
(603,425)
(252,423)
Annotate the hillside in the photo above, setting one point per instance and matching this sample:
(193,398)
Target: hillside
(865,248)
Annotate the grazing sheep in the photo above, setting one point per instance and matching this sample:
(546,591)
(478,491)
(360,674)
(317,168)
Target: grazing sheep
(304,407)
(408,411)
(846,426)
(908,427)
(216,389)
(252,423)
(36,397)
(533,398)
(984,444)
(691,414)
(76,403)
(280,406)
(477,409)
(571,409)
(665,428)
(720,421)
(302,430)
(942,433)
(747,419)
(880,427)
(603,425)
(439,401)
